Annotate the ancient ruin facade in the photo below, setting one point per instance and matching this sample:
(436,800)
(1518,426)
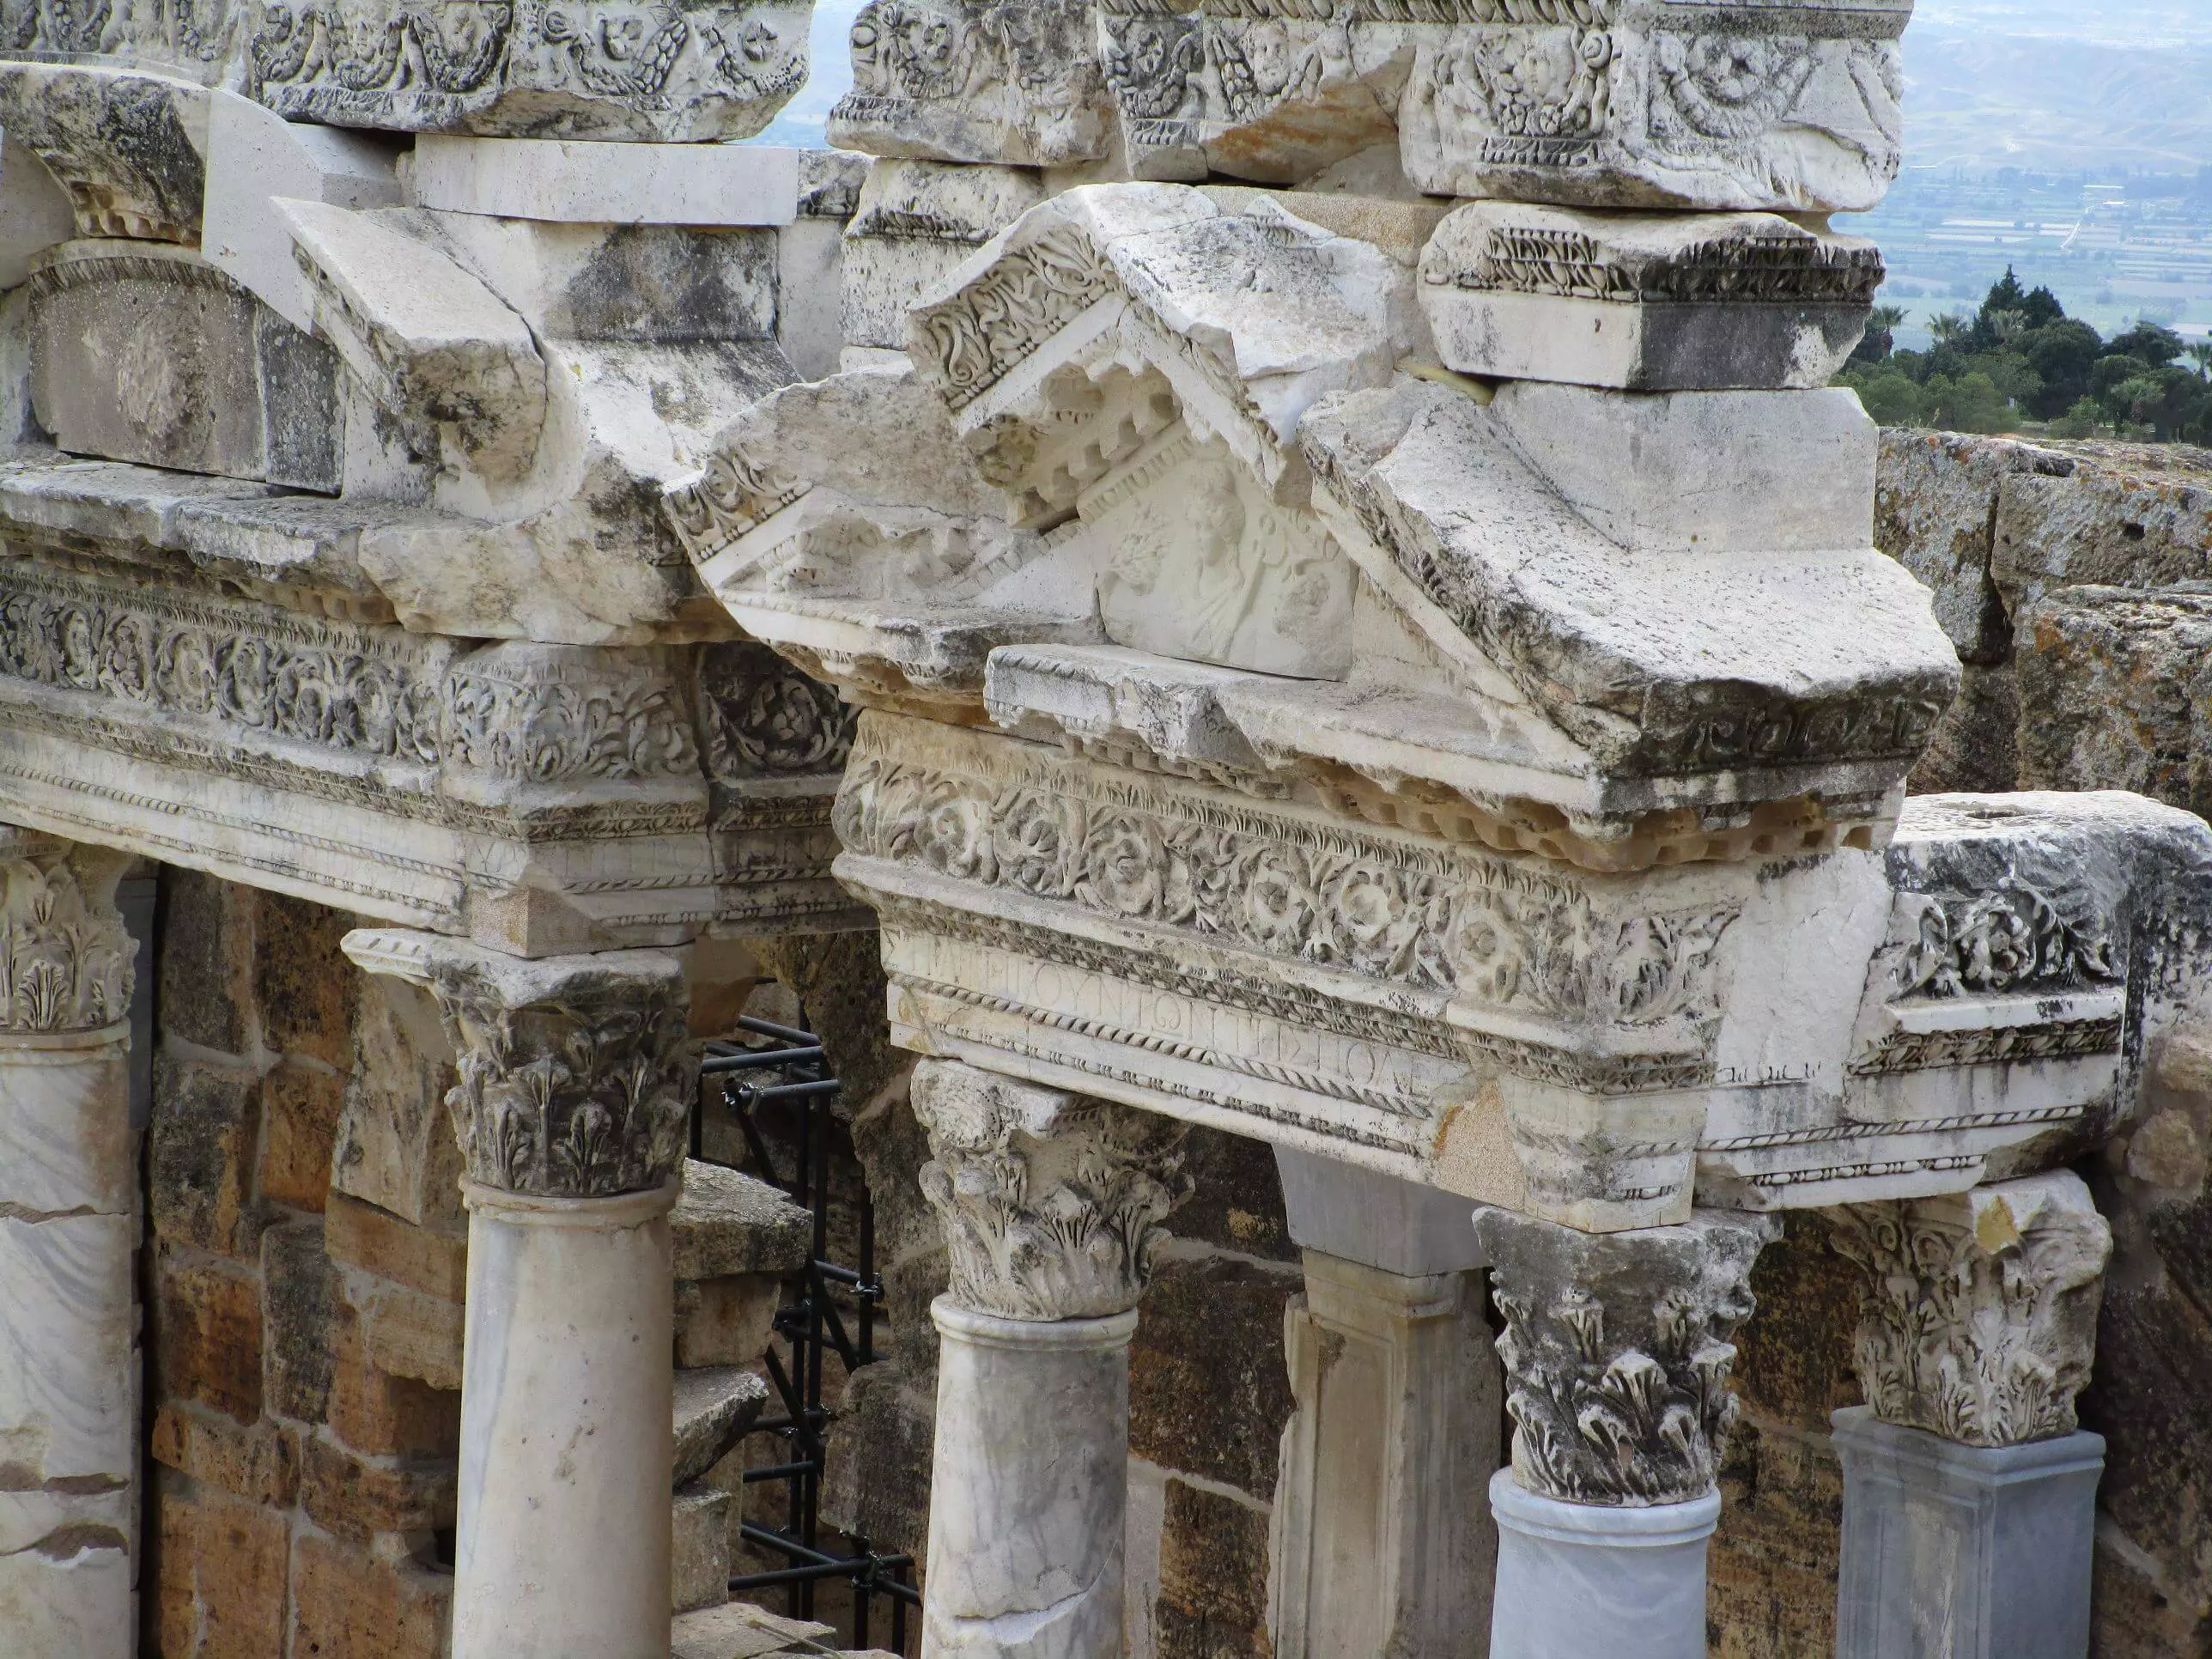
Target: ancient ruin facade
(1298,579)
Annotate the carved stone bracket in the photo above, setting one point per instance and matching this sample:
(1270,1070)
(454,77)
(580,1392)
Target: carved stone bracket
(1979,1322)
(1051,1202)
(1617,1351)
(66,963)
(576,1072)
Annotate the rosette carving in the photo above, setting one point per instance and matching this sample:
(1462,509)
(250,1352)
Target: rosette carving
(1051,1203)
(1617,1351)
(576,1072)
(66,963)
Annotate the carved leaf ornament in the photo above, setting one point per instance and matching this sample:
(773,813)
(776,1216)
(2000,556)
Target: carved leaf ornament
(1510,936)
(63,966)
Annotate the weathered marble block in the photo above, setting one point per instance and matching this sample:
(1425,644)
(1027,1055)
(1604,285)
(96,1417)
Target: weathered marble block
(128,149)
(141,352)
(1784,104)
(1643,301)
(916,222)
(623,71)
(962,80)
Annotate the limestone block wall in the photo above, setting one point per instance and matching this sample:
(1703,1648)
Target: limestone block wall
(2076,580)
(306,1322)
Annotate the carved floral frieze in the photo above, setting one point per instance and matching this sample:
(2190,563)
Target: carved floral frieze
(1978,1320)
(66,963)
(1507,935)
(1618,1352)
(1051,1203)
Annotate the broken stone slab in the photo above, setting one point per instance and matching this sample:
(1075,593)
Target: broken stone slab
(914,224)
(1661,104)
(960,81)
(140,352)
(699,1552)
(1264,92)
(714,1407)
(128,149)
(573,181)
(1644,301)
(726,1222)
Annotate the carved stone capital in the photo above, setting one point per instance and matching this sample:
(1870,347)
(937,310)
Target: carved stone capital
(1617,1351)
(1979,1319)
(66,962)
(1051,1202)
(576,1072)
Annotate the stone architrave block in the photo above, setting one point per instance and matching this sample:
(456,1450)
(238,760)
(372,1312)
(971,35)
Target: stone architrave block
(1789,106)
(916,222)
(571,181)
(255,156)
(1644,301)
(962,80)
(1952,1551)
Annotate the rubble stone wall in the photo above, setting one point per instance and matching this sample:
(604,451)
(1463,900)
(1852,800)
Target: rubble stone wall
(306,1329)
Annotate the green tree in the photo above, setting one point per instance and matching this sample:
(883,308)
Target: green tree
(1881,336)
(2200,353)
(2147,343)
(2061,354)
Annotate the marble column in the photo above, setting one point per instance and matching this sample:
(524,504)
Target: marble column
(1970,1494)
(1384,1541)
(576,1079)
(69,1220)
(1617,1356)
(1051,1205)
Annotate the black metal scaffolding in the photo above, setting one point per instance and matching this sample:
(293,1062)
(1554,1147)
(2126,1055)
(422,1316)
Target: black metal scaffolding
(783,1067)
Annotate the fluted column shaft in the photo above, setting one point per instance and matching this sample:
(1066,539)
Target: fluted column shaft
(1051,1205)
(576,1076)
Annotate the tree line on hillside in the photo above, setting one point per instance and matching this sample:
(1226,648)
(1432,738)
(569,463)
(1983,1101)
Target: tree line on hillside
(2019,363)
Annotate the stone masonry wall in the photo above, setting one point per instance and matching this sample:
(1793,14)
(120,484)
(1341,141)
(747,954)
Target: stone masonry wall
(2076,580)
(306,1332)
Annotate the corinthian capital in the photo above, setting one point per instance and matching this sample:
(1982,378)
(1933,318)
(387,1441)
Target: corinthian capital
(1980,1317)
(66,962)
(1617,1351)
(576,1072)
(1051,1202)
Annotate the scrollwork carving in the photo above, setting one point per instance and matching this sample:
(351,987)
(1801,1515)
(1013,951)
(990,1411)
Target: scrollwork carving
(2013,940)
(1504,935)
(1617,1351)
(971,340)
(765,718)
(1978,1321)
(1051,1203)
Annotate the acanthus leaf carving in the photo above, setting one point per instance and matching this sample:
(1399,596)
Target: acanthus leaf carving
(66,962)
(1051,1203)
(1978,1321)
(1618,1352)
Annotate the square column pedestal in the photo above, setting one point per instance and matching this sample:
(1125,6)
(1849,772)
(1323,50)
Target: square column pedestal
(1955,1552)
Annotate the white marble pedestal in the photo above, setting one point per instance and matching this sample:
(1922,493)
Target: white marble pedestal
(1589,1581)
(1956,1552)
(567,1428)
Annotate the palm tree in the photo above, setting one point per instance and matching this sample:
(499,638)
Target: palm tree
(2201,355)
(1950,327)
(1887,320)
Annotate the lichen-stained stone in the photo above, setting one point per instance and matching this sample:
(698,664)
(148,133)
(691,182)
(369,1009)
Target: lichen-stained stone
(130,149)
(1793,107)
(966,80)
(141,353)
(2121,693)
(1646,301)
